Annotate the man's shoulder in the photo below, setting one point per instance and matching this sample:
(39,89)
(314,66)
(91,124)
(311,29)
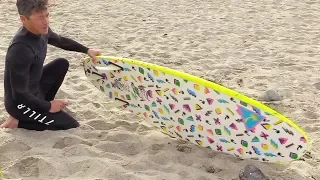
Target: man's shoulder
(19,46)
(20,37)
(20,49)
(20,53)
(22,41)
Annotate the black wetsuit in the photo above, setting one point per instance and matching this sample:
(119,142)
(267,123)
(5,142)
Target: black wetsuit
(29,86)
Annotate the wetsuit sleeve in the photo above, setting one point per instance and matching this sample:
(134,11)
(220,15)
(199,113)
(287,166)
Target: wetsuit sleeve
(20,59)
(65,43)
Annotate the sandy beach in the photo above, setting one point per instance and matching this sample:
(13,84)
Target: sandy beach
(262,44)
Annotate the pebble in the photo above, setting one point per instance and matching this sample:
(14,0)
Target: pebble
(251,172)
(272,95)
(317,85)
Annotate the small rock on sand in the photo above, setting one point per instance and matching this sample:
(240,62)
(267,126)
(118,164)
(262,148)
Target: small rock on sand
(271,95)
(251,172)
(317,85)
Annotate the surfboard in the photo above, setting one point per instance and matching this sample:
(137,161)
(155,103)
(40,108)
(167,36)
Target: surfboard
(197,110)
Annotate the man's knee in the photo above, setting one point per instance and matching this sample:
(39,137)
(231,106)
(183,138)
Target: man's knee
(72,124)
(75,124)
(62,64)
(63,121)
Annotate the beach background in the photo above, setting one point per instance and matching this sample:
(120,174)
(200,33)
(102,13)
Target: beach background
(249,46)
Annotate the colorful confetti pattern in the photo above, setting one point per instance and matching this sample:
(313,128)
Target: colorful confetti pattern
(201,115)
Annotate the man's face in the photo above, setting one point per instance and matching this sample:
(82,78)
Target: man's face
(38,22)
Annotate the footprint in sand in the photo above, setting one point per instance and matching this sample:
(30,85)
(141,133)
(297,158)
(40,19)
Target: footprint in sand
(80,87)
(31,167)
(311,115)
(101,125)
(93,135)
(73,66)
(184,148)
(88,114)
(156,154)
(85,167)
(144,55)
(161,159)
(111,156)
(97,105)
(129,39)
(97,169)
(13,146)
(124,148)
(3,160)
(121,137)
(133,126)
(69,141)
(157,147)
(81,150)
(74,78)
(183,174)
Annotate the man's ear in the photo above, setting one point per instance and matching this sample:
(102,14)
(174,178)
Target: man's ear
(23,18)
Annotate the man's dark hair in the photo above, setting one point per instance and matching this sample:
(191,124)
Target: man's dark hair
(25,7)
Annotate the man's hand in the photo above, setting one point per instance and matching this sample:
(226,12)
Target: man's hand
(93,53)
(57,105)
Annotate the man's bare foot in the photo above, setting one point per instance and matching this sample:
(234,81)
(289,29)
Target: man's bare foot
(11,122)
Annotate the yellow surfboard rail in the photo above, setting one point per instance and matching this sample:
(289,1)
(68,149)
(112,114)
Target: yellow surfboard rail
(1,175)
(212,85)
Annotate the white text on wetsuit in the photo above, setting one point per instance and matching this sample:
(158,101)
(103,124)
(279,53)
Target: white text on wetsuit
(34,114)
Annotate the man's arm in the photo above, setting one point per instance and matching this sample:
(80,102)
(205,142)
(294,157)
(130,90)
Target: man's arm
(65,43)
(20,59)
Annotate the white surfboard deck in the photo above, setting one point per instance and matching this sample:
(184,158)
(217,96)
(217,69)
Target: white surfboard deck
(199,111)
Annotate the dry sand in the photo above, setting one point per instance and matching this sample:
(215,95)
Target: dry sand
(266,44)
